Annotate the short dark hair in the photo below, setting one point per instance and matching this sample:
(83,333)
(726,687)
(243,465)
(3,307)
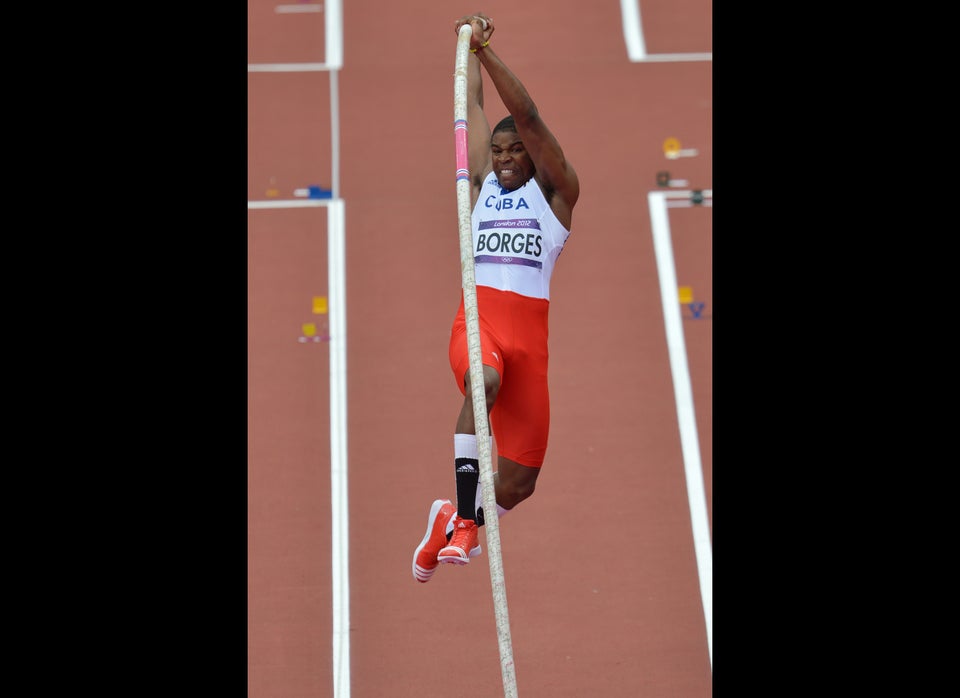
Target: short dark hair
(506,124)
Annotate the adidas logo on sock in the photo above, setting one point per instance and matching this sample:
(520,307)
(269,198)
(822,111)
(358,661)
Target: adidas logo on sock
(466,468)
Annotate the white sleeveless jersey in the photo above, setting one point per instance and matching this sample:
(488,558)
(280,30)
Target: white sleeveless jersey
(516,238)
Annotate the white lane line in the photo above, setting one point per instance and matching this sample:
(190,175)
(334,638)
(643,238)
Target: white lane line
(339,513)
(683,394)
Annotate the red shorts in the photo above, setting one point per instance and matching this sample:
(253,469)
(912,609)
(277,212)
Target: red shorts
(513,340)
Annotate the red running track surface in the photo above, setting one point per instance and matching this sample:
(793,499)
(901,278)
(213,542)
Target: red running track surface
(600,568)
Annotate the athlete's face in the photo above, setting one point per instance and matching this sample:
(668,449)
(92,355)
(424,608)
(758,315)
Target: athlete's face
(511,161)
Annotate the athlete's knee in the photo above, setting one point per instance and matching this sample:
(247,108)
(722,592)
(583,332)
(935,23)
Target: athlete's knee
(515,484)
(521,491)
(511,495)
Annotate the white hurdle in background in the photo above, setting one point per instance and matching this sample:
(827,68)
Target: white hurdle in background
(659,202)
(337,308)
(637,47)
(339,513)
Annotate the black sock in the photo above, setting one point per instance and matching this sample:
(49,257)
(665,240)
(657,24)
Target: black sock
(468,475)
